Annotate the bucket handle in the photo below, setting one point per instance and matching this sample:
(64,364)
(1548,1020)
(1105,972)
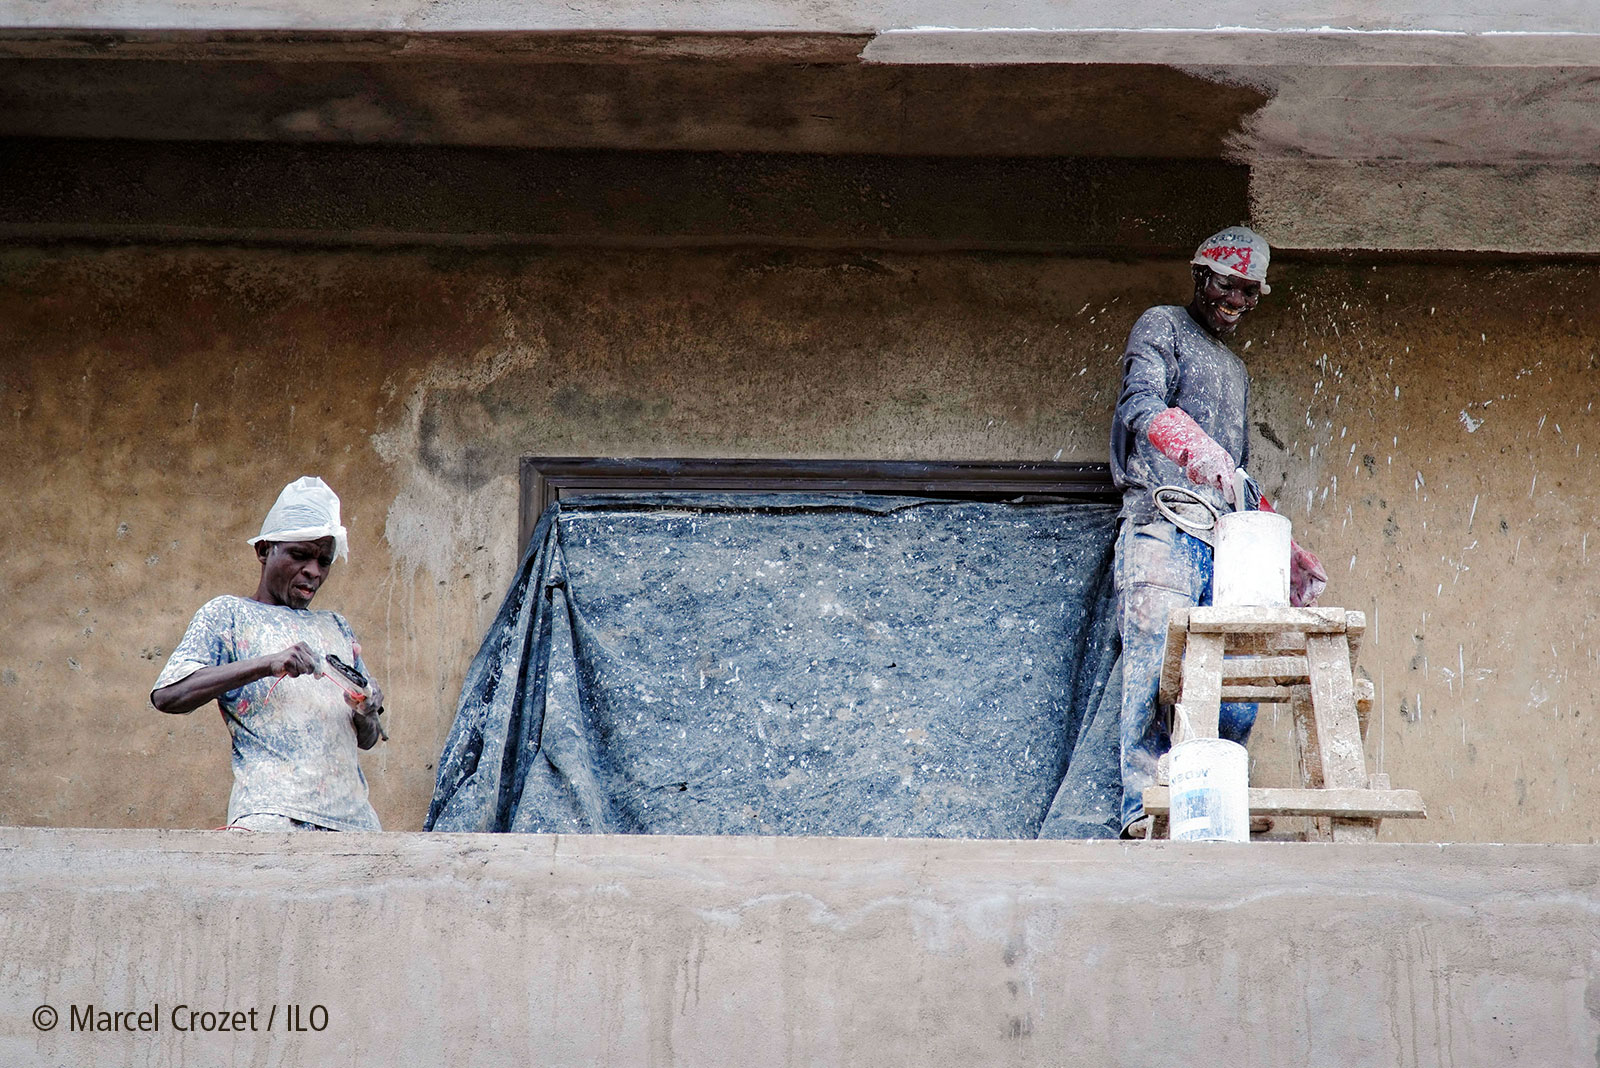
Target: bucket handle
(1190,525)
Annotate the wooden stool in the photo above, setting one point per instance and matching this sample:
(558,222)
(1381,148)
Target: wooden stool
(1302,656)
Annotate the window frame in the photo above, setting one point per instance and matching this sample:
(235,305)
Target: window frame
(543,480)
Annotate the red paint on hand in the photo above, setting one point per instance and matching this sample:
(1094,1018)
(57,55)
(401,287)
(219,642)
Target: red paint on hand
(1181,440)
(1307,579)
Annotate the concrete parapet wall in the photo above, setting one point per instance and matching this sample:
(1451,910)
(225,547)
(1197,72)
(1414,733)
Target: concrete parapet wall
(486,950)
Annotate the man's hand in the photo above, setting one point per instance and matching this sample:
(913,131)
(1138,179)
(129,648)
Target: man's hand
(1181,440)
(1307,580)
(364,712)
(296,660)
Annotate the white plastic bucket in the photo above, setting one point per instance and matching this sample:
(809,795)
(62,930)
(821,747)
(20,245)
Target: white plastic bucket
(1210,791)
(1251,559)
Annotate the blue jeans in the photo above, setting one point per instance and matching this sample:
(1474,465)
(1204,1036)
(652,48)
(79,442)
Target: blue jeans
(1158,568)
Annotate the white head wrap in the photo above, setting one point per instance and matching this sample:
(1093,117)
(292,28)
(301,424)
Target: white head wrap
(305,511)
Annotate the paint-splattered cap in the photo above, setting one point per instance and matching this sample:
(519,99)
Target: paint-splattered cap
(1238,251)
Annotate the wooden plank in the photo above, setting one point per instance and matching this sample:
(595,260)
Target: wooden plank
(1273,643)
(1276,695)
(1265,619)
(1202,682)
(1342,804)
(1172,656)
(1355,625)
(1333,702)
(1253,645)
(1277,670)
(1353,830)
(1346,830)
(1305,737)
(1308,756)
(1285,642)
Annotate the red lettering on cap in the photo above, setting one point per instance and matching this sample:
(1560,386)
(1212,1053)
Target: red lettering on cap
(1223,253)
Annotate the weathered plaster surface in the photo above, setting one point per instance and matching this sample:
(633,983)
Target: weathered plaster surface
(713,951)
(1426,427)
(1332,204)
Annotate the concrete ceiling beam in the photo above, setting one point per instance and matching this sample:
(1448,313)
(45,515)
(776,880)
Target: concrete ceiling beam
(1437,125)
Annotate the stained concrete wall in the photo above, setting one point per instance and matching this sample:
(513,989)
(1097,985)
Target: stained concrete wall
(484,950)
(1428,428)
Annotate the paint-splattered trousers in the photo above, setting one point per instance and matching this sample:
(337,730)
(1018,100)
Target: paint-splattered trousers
(1158,568)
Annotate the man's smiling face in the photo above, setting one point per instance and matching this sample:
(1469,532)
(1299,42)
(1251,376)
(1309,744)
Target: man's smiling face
(1221,300)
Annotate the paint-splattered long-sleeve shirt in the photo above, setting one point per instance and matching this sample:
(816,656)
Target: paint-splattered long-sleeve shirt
(294,742)
(1171,362)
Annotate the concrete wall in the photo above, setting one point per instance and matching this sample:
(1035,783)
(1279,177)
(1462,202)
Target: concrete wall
(465,949)
(1428,427)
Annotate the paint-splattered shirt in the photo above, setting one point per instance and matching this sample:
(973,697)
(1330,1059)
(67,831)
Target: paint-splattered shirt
(1171,362)
(294,747)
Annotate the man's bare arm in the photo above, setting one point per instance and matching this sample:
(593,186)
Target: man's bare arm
(209,683)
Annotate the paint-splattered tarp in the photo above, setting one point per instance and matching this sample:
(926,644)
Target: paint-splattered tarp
(782,664)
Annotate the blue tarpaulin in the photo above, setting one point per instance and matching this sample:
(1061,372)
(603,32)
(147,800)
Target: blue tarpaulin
(715,663)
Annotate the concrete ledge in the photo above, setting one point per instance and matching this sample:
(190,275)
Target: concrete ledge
(1417,17)
(434,949)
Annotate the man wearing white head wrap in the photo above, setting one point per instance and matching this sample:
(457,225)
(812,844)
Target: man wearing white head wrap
(263,659)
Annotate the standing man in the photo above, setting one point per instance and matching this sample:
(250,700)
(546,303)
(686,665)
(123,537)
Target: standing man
(263,659)
(1180,420)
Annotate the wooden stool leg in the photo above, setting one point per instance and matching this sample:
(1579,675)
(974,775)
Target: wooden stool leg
(1305,741)
(1333,703)
(1202,683)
